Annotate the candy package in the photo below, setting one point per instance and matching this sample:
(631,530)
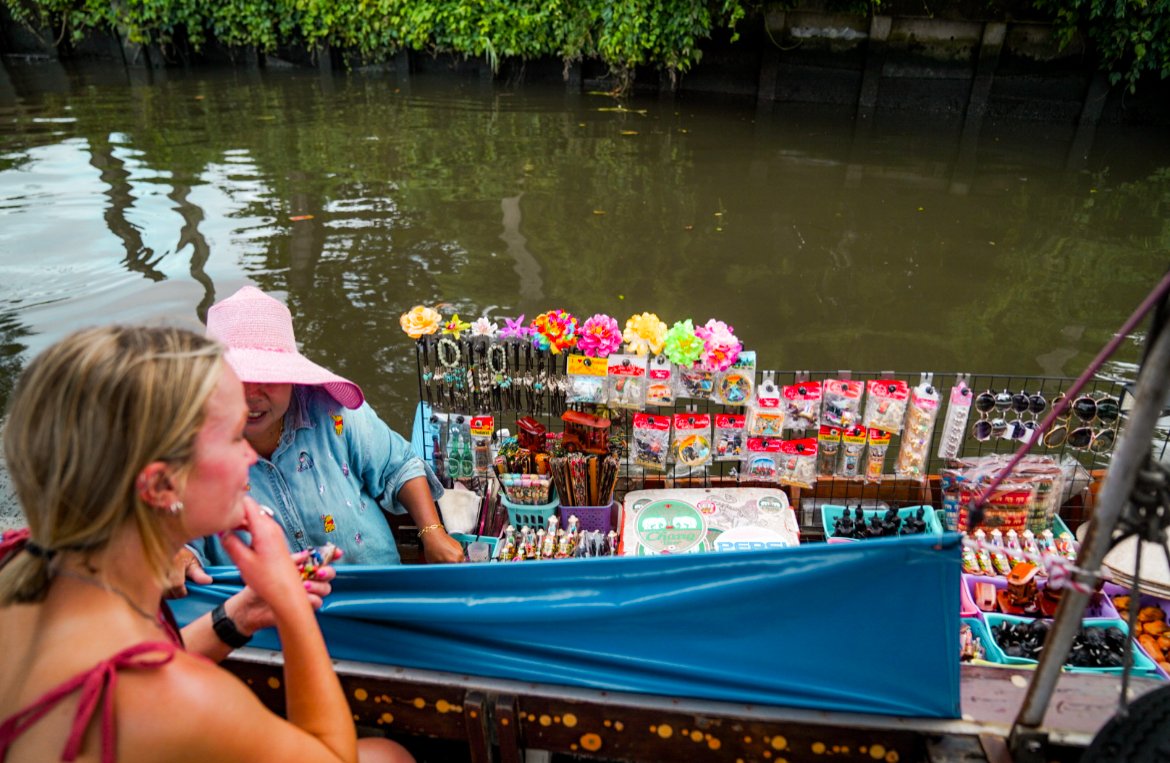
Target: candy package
(730,437)
(920,418)
(735,385)
(765,416)
(651,441)
(878,441)
(841,402)
(828,443)
(761,461)
(852,446)
(798,463)
(692,440)
(802,404)
(587,379)
(627,381)
(660,387)
(885,407)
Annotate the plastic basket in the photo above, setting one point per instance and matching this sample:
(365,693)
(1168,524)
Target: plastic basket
(589,518)
(830,513)
(535,517)
(1142,664)
(991,653)
(466,539)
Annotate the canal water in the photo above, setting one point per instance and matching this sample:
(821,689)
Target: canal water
(909,243)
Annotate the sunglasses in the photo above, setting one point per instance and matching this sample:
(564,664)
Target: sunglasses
(1095,408)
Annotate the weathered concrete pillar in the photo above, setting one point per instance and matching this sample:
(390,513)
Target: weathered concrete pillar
(1095,96)
(987,61)
(875,59)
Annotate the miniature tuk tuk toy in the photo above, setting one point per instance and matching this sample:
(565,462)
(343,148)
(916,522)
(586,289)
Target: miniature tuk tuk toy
(585,433)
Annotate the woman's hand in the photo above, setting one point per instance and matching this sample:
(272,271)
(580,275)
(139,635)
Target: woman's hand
(252,613)
(266,565)
(184,567)
(441,548)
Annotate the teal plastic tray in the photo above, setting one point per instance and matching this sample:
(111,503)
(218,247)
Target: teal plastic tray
(830,512)
(1142,664)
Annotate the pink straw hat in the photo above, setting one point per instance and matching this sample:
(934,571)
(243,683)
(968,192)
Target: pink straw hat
(258,333)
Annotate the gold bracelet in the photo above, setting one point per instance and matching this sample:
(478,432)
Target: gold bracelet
(435,526)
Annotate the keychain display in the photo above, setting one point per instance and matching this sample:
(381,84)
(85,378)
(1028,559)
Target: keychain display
(761,462)
(481,430)
(765,416)
(730,437)
(735,385)
(950,442)
(627,381)
(798,463)
(692,440)
(651,441)
(878,442)
(802,404)
(920,418)
(841,402)
(660,384)
(586,379)
(852,446)
(828,444)
(885,406)
(694,383)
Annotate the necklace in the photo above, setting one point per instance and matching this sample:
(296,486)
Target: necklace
(117,591)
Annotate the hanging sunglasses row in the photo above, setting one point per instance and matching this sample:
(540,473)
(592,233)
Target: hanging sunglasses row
(1095,429)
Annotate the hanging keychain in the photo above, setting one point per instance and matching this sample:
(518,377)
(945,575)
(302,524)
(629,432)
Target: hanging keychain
(841,401)
(885,406)
(586,378)
(920,418)
(692,440)
(950,442)
(651,441)
(627,381)
(482,428)
(765,417)
(802,402)
(875,455)
(735,385)
(660,387)
(798,463)
(761,461)
(852,445)
(828,443)
(730,442)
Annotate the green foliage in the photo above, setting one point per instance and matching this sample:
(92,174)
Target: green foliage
(622,33)
(1132,37)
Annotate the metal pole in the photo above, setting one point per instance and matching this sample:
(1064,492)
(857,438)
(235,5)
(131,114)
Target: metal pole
(1130,456)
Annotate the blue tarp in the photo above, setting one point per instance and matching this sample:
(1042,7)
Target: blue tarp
(868,627)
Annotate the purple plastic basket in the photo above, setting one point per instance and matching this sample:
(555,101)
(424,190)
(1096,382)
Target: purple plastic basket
(589,518)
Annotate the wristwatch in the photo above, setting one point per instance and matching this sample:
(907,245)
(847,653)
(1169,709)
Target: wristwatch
(225,628)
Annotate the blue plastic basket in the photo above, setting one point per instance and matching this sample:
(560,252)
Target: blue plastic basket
(535,517)
(991,652)
(466,539)
(1142,664)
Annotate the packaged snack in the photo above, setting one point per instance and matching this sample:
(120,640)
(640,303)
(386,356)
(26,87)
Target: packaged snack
(730,436)
(852,444)
(841,402)
(692,440)
(920,418)
(885,408)
(735,385)
(950,442)
(802,404)
(798,463)
(765,417)
(761,462)
(651,441)
(586,379)
(875,455)
(660,387)
(999,560)
(828,443)
(627,381)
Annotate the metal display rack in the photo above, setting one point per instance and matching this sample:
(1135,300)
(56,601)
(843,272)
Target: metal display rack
(510,380)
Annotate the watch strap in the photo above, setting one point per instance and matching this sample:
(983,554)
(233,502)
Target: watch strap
(225,628)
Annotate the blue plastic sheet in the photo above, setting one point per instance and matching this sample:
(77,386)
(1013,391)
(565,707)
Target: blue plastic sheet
(868,627)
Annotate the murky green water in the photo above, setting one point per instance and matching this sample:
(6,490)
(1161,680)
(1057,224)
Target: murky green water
(904,244)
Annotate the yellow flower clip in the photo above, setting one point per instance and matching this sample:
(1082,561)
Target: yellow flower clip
(455,327)
(420,321)
(644,334)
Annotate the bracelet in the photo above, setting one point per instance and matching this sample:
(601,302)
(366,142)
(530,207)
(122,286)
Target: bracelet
(225,628)
(434,526)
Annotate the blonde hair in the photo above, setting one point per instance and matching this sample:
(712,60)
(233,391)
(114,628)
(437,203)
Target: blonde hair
(87,415)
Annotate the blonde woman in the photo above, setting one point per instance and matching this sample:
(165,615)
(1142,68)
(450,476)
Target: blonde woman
(123,444)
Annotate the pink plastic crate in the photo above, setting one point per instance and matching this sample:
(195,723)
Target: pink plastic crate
(1099,607)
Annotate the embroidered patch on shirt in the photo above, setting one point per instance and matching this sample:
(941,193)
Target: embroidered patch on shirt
(345,469)
(338,423)
(327,519)
(358,538)
(304,462)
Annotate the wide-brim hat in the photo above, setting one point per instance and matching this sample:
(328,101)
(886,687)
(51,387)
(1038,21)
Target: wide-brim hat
(262,349)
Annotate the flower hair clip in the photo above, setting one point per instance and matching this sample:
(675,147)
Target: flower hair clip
(682,346)
(515,329)
(420,321)
(455,327)
(600,336)
(645,334)
(721,348)
(554,331)
(484,327)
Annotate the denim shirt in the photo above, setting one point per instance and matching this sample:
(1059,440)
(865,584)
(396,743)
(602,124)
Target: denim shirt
(330,478)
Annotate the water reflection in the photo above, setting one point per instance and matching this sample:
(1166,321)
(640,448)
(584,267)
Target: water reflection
(894,244)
